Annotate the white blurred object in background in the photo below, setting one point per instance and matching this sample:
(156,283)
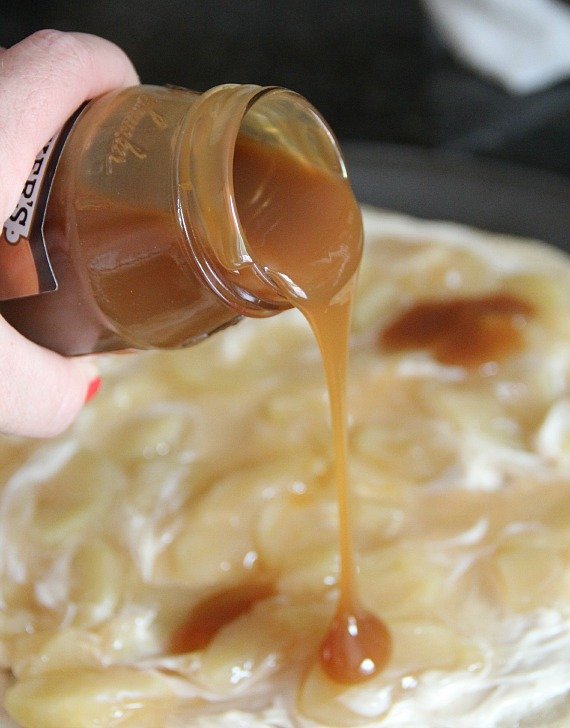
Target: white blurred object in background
(524,45)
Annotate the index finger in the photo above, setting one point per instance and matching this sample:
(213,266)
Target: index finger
(43,80)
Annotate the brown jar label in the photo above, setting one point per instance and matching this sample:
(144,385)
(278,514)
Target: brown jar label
(25,268)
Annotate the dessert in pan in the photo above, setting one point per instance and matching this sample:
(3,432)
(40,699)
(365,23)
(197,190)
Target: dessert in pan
(173,559)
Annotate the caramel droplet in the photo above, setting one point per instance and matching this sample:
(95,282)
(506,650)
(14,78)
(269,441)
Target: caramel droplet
(356,647)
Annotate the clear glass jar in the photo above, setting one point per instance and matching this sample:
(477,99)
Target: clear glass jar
(142,227)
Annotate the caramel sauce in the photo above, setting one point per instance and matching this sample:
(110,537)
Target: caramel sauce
(465,332)
(316,270)
(115,247)
(304,231)
(129,254)
(210,616)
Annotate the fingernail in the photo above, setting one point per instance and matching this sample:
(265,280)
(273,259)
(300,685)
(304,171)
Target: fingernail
(92,389)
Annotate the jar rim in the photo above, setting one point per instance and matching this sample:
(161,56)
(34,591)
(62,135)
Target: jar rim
(205,186)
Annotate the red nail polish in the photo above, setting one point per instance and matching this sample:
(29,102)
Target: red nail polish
(92,389)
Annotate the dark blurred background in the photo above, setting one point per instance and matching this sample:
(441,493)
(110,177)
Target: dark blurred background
(377,69)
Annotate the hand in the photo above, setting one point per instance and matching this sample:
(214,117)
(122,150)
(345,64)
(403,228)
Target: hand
(43,80)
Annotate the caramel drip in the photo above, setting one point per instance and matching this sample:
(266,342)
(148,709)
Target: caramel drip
(210,616)
(465,332)
(358,644)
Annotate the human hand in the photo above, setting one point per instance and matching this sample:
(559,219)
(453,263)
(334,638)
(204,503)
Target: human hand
(43,80)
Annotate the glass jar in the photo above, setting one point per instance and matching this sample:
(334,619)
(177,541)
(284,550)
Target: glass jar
(142,227)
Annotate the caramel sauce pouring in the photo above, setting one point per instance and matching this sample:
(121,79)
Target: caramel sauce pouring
(319,280)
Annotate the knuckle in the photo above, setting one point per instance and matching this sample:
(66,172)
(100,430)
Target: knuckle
(62,48)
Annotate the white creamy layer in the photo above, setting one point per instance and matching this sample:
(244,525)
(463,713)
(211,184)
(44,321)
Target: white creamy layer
(200,471)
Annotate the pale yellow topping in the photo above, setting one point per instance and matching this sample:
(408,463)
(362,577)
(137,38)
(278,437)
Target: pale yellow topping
(199,471)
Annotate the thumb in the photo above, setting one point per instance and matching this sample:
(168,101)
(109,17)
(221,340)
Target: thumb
(41,392)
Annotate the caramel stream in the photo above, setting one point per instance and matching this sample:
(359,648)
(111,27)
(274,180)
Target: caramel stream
(316,270)
(357,644)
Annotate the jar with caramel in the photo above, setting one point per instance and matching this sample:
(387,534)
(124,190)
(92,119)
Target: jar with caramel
(171,214)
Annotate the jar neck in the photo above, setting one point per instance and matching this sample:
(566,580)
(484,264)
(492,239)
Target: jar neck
(283,121)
